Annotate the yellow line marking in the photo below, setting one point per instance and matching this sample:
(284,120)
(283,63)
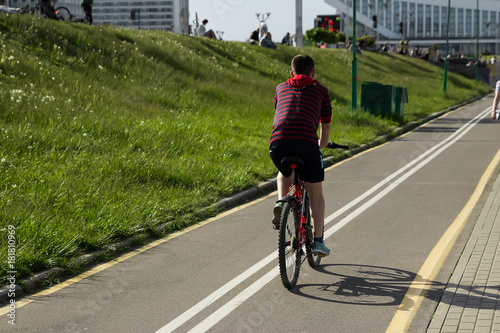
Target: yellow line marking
(423,282)
(31,298)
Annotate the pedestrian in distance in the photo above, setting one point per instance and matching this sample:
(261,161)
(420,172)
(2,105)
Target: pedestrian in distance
(287,40)
(202,30)
(12,10)
(302,105)
(254,37)
(495,112)
(267,41)
(87,9)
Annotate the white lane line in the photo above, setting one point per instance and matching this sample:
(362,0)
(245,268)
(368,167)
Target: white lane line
(227,308)
(216,294)
(400,171)
(215,317)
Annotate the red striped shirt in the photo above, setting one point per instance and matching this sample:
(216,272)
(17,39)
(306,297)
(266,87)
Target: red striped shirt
(300,104)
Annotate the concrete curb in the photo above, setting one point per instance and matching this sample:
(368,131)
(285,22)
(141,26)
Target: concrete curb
(44,278)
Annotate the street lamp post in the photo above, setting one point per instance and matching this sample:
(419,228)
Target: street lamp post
(477,42)
(446,54)
(262,17)
(354,68)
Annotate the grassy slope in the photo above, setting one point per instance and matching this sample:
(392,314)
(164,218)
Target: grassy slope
(104,133)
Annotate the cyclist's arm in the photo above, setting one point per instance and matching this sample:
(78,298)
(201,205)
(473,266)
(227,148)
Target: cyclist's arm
(324,134)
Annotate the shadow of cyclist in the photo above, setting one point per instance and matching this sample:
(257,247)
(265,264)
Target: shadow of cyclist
(364,285)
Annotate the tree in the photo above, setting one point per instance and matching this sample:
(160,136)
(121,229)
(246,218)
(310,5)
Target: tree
(320,35)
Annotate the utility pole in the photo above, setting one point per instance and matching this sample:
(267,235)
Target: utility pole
(298,23)
(354,68)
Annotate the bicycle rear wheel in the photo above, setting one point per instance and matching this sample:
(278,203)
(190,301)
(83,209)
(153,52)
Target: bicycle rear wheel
(312,259)
(62,13)
(289,253)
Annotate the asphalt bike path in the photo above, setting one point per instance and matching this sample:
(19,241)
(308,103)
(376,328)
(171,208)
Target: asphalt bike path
(387,208)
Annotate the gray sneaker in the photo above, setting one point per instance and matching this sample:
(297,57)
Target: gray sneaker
(320,249)
(277,215)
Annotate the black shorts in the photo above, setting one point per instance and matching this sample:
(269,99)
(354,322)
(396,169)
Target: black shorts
(313,170)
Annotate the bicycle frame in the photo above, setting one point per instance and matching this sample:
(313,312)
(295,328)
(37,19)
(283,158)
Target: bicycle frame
(298,191)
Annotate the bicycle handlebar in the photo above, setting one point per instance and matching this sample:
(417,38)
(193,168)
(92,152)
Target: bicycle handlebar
(333,145)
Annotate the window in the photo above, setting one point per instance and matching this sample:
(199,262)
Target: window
(397,16)
(420,21)
(411,25)
(435,22)
(428,20)
(460,22)
(388,14)
(444,21)
(483,26)
(468,23)
(493,26)
(453,21)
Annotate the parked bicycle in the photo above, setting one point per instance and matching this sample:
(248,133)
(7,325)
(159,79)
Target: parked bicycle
(296,230)
(46,9)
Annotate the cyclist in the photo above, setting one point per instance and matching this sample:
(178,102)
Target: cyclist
(301,105)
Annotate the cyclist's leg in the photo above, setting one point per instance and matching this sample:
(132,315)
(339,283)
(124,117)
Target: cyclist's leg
(277,150)
(317,204)
(283,184)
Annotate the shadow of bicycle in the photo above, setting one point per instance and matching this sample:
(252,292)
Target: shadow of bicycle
(365,285)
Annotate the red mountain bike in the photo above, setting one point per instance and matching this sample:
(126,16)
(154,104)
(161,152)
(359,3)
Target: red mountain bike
(296,230)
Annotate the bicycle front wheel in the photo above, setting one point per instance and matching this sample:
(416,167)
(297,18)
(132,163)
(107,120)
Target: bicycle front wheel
(62,13)
(289,253)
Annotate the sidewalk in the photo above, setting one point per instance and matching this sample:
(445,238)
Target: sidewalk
(470,303)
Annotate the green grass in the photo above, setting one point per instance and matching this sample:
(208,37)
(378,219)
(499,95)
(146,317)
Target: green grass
(106,133)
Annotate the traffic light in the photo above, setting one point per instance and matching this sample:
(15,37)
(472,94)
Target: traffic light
(132,14)
(374,18)
(400,27)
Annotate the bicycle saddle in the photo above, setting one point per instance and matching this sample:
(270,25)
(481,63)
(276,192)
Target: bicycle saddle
(292,160)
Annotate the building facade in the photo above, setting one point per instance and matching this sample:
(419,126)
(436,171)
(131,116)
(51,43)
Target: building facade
(424,22)
(166,15)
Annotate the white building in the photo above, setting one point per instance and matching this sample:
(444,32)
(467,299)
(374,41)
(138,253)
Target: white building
(166,15)
(169,15)
(425,21)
